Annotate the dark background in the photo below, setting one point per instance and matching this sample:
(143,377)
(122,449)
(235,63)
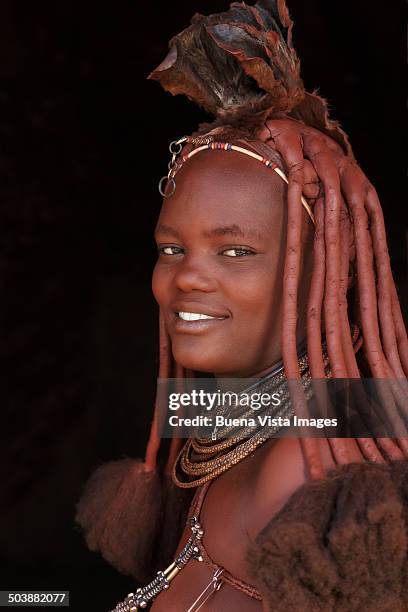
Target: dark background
(83,142)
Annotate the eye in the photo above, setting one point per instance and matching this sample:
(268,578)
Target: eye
(237,252)
(170,250)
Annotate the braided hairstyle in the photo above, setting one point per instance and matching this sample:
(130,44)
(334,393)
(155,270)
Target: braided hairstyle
(240,66)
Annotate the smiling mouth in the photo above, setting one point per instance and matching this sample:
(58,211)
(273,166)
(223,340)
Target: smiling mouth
(197,316)
(196,322)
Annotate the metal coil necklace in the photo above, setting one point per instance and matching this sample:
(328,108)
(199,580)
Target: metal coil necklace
(203,459)
(145,595)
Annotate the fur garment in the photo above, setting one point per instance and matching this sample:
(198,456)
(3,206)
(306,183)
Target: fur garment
(339,544)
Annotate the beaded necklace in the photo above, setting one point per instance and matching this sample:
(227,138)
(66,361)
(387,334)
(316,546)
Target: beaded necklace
(203,459)
(200,461)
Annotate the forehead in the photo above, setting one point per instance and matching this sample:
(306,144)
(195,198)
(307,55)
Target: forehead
(226,188)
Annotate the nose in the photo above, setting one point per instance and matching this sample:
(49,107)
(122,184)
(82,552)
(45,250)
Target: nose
(194,275)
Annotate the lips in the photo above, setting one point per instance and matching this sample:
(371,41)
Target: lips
(189,317)
(200,309)
(195,316)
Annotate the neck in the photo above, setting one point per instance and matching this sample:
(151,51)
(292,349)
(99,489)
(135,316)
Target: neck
(260,373)
(268,370)
(236,382)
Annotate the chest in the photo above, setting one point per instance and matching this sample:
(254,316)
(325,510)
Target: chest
(223,545)
(235,508)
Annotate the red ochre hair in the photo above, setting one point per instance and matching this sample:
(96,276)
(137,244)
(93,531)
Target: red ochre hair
(241,66)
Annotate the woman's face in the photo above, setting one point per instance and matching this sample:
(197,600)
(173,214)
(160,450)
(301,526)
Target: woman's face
(218,279)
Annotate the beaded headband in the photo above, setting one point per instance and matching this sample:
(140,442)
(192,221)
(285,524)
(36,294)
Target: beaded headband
(167,184)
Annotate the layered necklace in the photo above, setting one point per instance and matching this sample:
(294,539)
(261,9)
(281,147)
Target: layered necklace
(203,459)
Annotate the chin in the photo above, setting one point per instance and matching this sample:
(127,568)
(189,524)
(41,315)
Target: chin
(209,364)
(198,360)
(194,362)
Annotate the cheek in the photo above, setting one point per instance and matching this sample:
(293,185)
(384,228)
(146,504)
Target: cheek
(257,316)
(256,292)
(161,285)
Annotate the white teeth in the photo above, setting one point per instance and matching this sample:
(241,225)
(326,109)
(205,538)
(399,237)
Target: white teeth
(195,316)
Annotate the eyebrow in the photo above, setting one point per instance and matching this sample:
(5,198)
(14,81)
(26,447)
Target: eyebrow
(166,230)
(222,230)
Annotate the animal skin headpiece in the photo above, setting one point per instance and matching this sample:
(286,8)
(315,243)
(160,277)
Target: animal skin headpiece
(241,67)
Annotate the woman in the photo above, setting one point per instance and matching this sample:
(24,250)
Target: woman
(249,272)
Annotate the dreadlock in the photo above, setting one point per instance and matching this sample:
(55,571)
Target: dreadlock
(241,66)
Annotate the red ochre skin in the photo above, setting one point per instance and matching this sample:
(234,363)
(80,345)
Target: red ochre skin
(226,201)
(216,191)
(238,505)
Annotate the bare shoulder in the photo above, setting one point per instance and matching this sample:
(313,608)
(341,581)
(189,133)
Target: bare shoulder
(280,471)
